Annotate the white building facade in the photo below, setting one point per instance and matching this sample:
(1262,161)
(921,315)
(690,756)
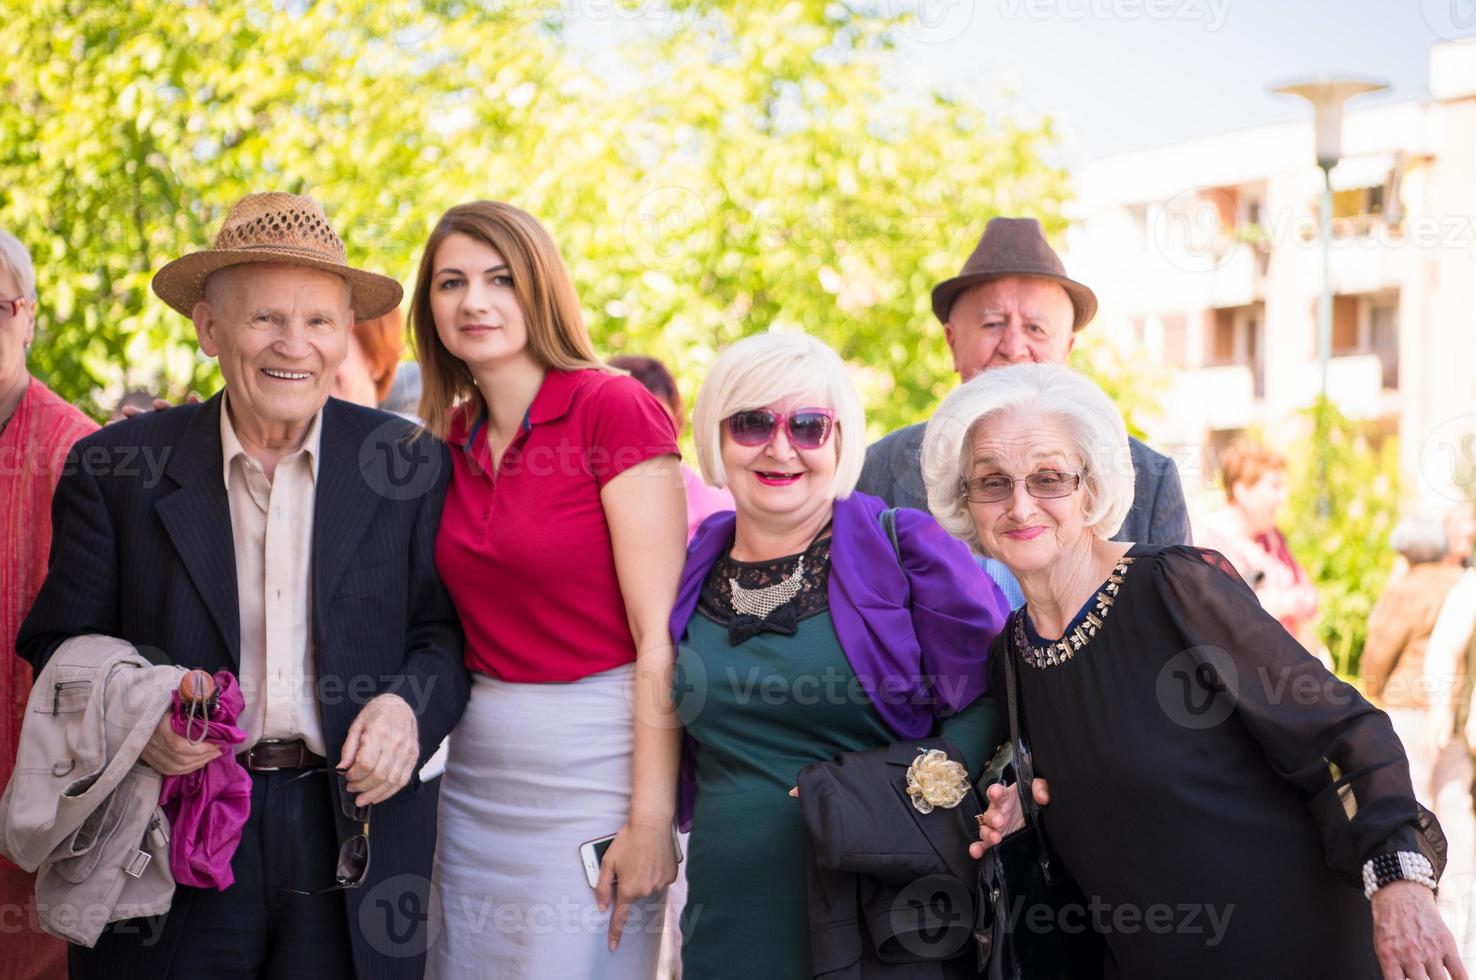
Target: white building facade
(1208,261)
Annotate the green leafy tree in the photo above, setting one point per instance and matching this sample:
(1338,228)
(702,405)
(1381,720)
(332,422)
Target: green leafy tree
(710,169)
(131,127)
(1131,380)
(1338,525)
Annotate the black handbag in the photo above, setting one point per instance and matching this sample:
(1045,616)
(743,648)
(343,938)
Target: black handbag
(1021,879)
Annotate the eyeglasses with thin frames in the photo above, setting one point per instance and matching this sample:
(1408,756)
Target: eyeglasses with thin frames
(353,854)
(11,307)
(1042,484)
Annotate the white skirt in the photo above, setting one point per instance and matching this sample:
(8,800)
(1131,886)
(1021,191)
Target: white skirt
(534,771)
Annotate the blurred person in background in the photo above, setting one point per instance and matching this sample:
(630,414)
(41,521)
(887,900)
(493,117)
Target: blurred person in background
(1245,532)
(702,500)
(404,394)
(36,430)
(1459,524)
(368,370)
(1415,668)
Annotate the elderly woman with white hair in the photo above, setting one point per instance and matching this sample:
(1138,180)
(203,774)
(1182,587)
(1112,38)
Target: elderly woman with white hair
(1233,809)
(36,430)
(804,632)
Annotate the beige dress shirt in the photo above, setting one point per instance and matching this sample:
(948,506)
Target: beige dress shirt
(272,525)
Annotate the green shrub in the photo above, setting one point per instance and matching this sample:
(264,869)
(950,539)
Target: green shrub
(1338,521)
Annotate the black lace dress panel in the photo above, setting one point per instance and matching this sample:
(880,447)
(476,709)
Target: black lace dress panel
(764,584)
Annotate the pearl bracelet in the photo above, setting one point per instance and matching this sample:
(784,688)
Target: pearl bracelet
(1385,869)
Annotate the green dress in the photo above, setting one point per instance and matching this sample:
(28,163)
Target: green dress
(761,710)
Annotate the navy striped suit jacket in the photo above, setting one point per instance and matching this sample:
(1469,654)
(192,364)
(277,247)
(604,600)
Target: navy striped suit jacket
(142,550)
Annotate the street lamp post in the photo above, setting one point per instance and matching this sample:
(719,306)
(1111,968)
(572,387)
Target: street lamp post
(1327,96)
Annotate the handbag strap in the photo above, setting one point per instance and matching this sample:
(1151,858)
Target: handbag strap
(1024,764)
(889,524)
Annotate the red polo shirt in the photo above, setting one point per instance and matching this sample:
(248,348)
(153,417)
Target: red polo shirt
(526,555)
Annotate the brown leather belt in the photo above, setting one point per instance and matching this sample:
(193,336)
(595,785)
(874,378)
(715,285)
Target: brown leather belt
(273,754)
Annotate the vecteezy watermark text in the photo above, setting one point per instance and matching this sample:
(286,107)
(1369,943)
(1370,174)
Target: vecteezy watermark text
(1211,13)
(1101,916)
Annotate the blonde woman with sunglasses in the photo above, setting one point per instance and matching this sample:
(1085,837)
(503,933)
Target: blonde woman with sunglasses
(803,635)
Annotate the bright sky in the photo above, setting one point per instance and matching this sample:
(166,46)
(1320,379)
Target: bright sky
(1121,75)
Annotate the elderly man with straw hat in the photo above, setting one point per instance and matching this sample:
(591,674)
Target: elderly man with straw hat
(286,537)
(1012,303)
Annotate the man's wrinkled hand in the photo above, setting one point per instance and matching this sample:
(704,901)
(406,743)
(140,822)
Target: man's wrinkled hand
(381,750)
(171,754)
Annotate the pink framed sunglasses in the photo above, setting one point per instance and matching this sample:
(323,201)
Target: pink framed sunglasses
(807,428)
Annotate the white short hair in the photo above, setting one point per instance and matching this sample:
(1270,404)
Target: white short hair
(1039,391)
(15,259)
(774,367)
(1420,538)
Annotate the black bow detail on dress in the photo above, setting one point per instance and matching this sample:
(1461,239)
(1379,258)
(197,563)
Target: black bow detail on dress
(743,627)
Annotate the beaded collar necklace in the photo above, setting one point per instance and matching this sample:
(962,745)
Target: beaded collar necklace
(1057,652)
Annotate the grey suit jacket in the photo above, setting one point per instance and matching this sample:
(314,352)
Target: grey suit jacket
(893,472)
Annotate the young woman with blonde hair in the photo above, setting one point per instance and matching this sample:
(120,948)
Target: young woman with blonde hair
(561,544)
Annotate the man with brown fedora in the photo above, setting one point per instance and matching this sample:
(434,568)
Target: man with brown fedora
(290,541)
(1013,303)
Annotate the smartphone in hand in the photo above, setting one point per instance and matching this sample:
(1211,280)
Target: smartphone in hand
(592,852)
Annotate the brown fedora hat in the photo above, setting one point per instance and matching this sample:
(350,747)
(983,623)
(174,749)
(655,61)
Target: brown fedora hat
(283,229)
(1014,247)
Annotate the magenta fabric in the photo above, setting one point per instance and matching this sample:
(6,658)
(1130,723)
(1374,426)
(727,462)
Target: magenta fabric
(702,500)
(208,807)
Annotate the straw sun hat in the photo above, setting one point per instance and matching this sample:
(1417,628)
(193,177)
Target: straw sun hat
(283,229)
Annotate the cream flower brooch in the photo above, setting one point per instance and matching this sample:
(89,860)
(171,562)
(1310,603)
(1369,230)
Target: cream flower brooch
(933,779)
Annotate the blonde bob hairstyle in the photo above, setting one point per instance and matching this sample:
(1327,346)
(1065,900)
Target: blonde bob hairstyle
(556,333)
(769,369)
(1093,425)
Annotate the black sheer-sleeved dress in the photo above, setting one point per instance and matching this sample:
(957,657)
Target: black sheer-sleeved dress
(1214,789)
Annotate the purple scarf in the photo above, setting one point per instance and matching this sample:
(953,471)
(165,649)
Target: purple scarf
(207,808)
(915,633)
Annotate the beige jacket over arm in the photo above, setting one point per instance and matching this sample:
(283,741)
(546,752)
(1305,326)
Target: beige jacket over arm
(80,809)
